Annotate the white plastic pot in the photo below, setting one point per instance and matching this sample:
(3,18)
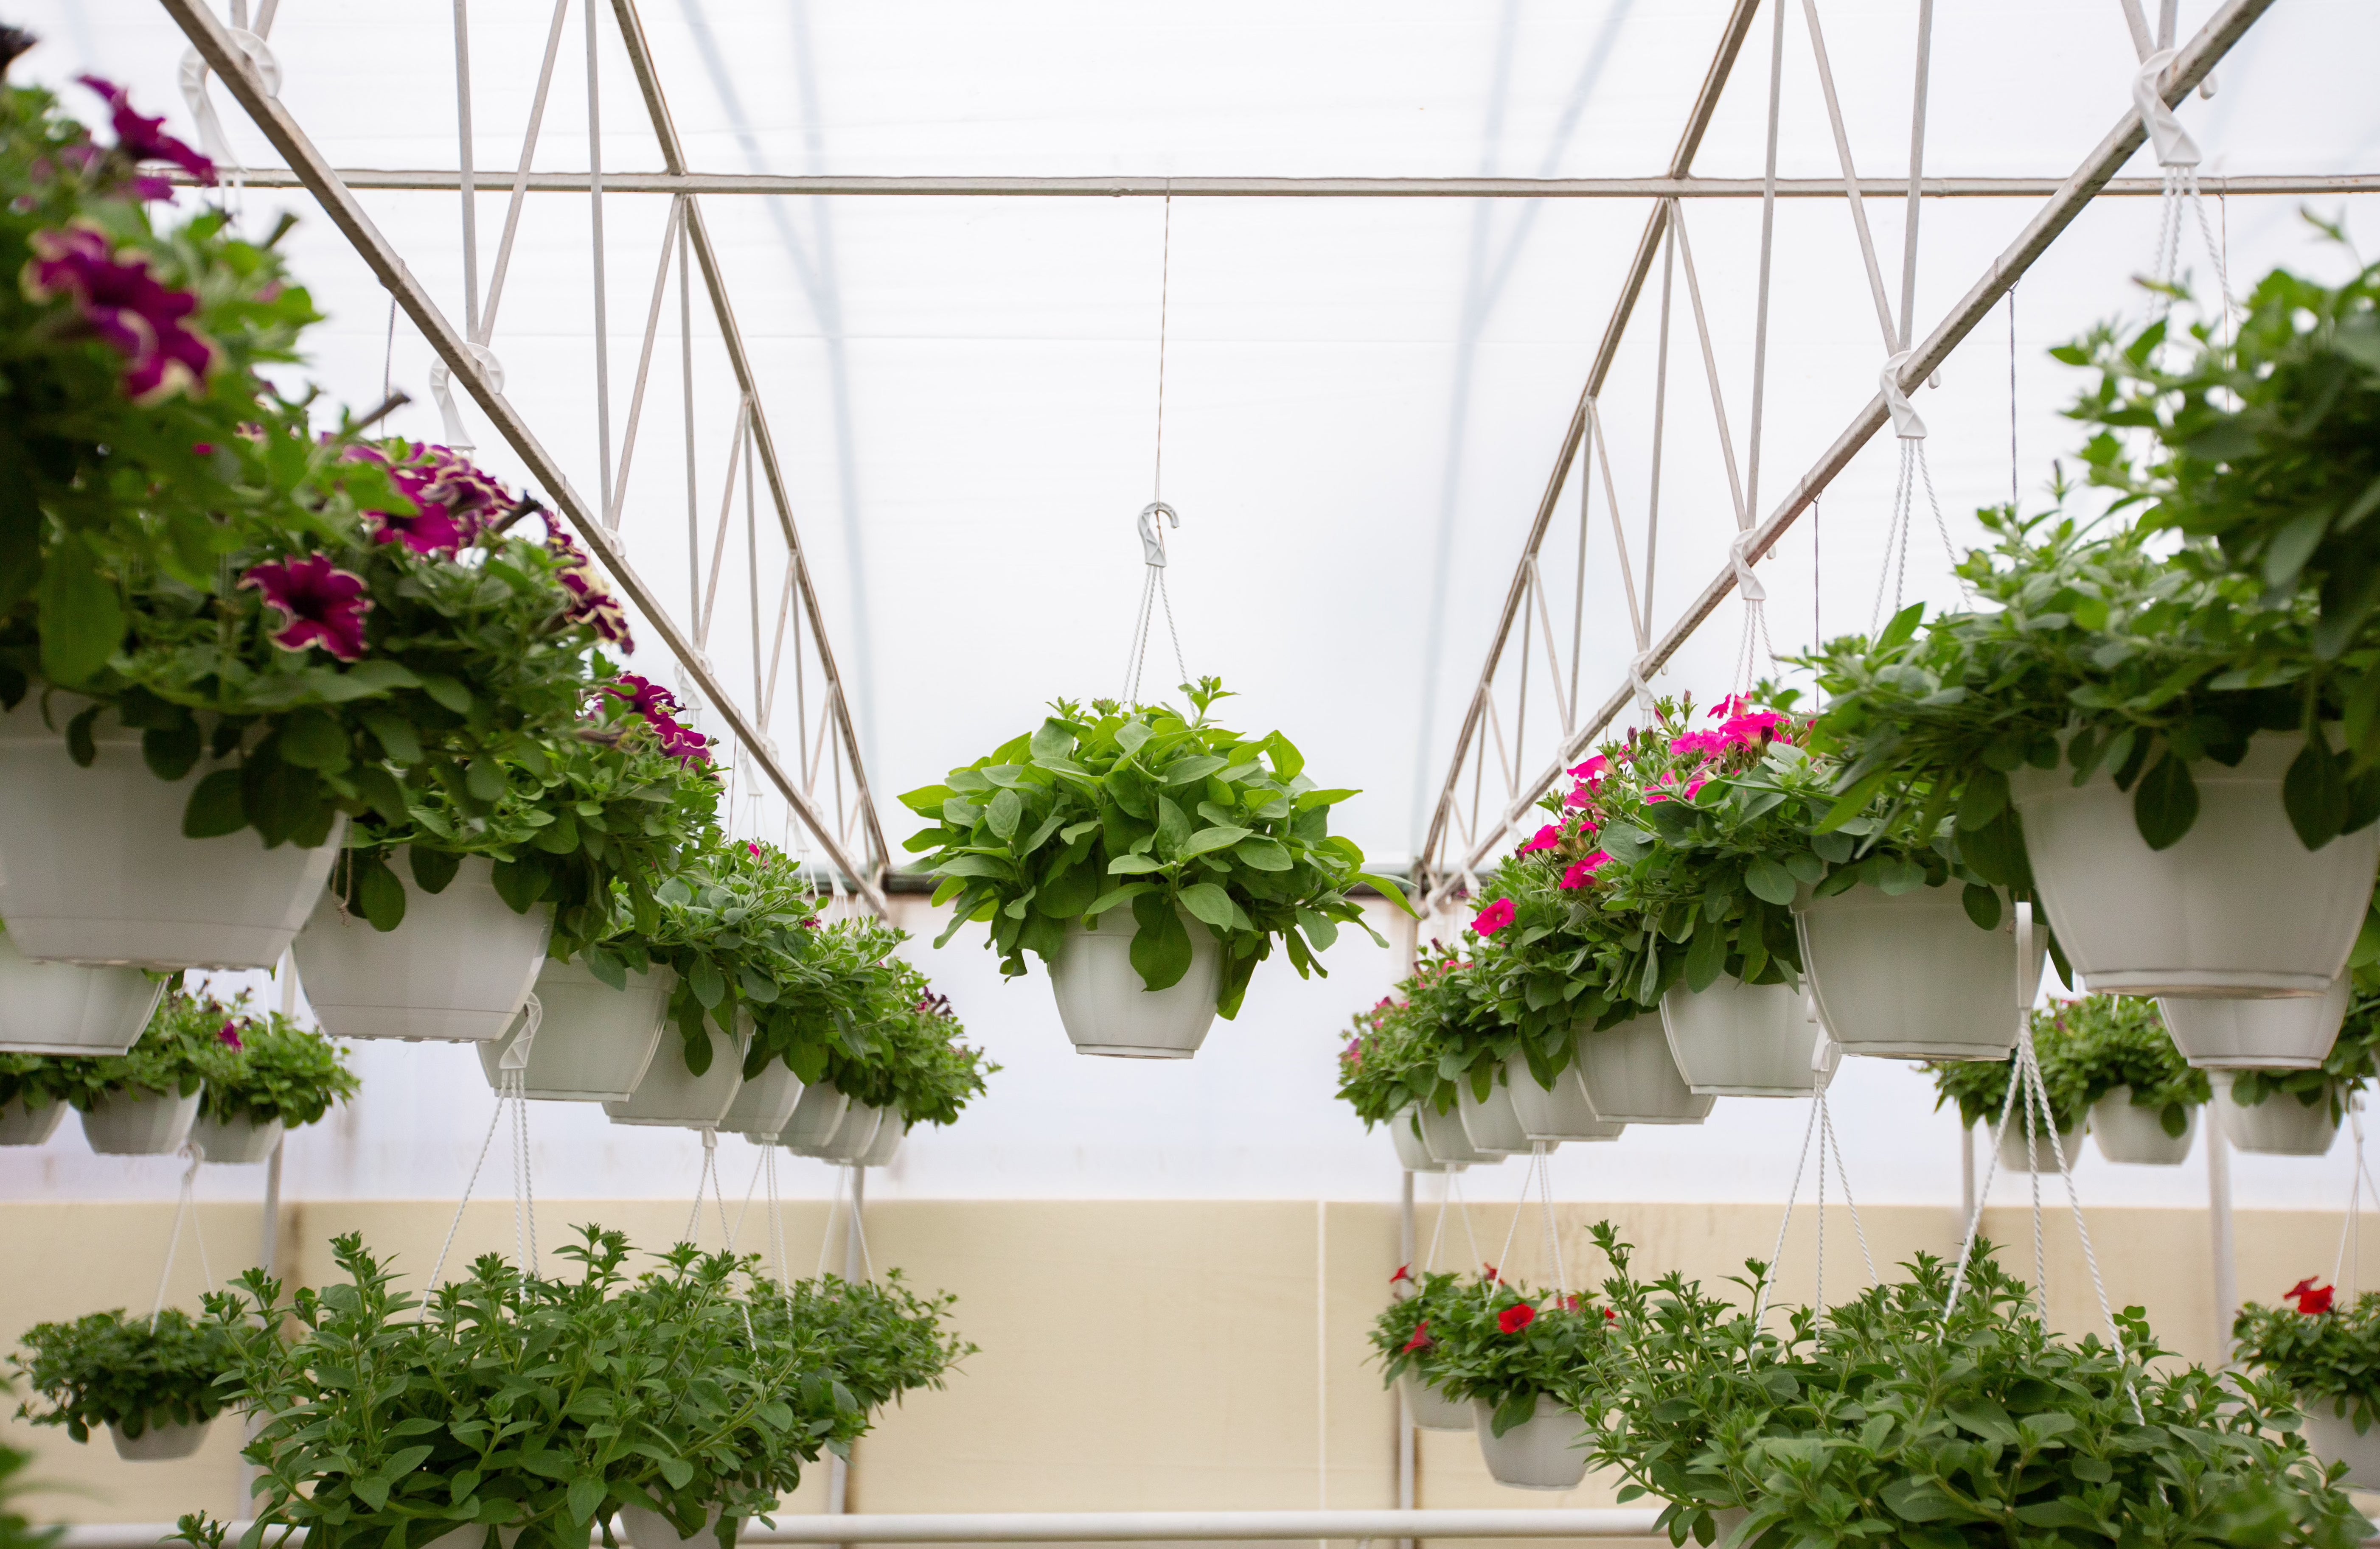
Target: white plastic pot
(94,867)
(854,1136)
(160,1444)
(1491,1125)
(241,1142)
(1546,1451)
(670,1093)
(1740,1040)
(2044,1156)
(2292,1033)
(1443,1136)
(1433,1410)
(1910,976)
(891,1131)
(458,969)
(1403,1132)
(140,1123)
(23,1126)
(1631,1077)
(63,1008)
(2134,1134)
(2279,1126)
(1561,1114)
(2332,1437)
(593,1043)
(2238,907)
(817,1116)
(764,1102)
(1107,1009)
(651,1529)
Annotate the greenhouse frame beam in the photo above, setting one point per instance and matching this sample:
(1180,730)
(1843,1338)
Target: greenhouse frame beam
(1438,877)
(447,180)
(214,44)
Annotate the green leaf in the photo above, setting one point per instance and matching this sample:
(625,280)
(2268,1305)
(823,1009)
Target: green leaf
(1982,905)
(1220,837)
(2313,792)
(1003,813)
(1768,880)
(448,692)
(172,751)
(313,739)
(927,800)
(379,896)
(215,807)
(1262,854)
(1054,740)
(1287,762)
(433,869)
(1160,948)
(1133,865)
(1184,770)
(976,865)
(1707,957)
(710,986)
(1902,627)
(81,619)
(586,1492)
(1114,896)
(1131,734)
(1387,889)
(1209,903)
(2166,803)
(393,732)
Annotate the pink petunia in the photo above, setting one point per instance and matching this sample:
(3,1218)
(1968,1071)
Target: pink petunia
(1547,838)
(128,309)
(1584,872)
(320,604)
(1593,770)
(1580,795)
(1698,745)
(1695,785)
(1733,704)
(229,1036)
(144,139)
(1493,918)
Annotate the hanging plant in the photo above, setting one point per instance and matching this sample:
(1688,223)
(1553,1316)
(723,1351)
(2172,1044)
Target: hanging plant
(2326,1355)
(136,1375)
(1885,1424)
(176,1052)
(2088,1048)
(268,1070)
(1510,1347)
(1402,1337)
(2350,1066)
(905,1054)
(1179,817)
(1387,1065)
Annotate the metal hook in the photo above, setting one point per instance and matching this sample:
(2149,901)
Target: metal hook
(1152,533)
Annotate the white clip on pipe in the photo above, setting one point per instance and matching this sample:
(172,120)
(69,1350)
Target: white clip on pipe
(440,379)
(1636,665)
(1746,583)
(1152,532)
(2174,146)
(1905,422)
(515,1055)
(211,139)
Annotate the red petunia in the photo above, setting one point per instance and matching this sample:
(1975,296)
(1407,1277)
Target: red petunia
(1518,1316)
(1404,1271)
(1487,1272)
(1420,1340)
(2312,1299)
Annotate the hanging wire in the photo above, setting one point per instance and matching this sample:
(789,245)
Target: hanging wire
(187,1208)
(1157,513)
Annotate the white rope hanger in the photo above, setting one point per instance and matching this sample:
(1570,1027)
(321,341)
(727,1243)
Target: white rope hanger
(512,1096)
(1153,517)
(186,1207)
(1821,1131)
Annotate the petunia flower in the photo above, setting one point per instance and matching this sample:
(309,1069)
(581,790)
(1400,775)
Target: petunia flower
(1733,704)
(1584,872)
(1404,1271)
(1493,918)
(1420,1340)
(1580,795)
(322,605)
(1695,785)
(2312,1299)
(1488,1273)
(1547,838)
(1593,770)
(656,705)
(1518,1316)
(1569,1303)
(1698,745)
(142,138)
(591,603)
(229,1036)
(126,308)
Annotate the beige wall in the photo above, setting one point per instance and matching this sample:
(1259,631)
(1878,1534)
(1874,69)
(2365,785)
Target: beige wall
(1159,1355)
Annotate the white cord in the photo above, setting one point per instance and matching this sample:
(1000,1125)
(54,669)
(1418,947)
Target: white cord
(188,1206)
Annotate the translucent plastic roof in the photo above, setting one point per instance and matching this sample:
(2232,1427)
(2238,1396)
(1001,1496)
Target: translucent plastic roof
(1363,397)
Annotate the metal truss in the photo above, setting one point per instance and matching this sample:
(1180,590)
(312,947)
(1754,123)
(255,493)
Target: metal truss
(823,783)
(1489,790)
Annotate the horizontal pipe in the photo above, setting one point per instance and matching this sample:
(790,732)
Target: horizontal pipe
(1090,1527)
(431,179)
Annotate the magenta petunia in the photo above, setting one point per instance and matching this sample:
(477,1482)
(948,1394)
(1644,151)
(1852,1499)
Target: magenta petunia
(1593,770)
(144,138)
(590,602)
(322,604)
(1584,872)
(1493,918)
(656,705)
(453,501)
(125,306)
(229,1036)
(1547,838)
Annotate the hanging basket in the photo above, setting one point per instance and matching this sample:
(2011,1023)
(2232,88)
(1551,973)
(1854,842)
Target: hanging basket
(133,1123)
(2239,908)
(457,969)
(1563,1113)
(97,871)
(22,1126)
(593,1043)
(2332,1437)
(2279,1126)
(2044,1159)
(670,1093)
(159,1444)
(1740,1040)
(1443,1136)
(1546,1451)
(764,1102)
(241,1143)
(1632,1078)
(1404,1132)
(2129,1133)
(854,1136)
(61,1008)
(2291,1032)
(1491,1125)
(1107,1009)
(817,1113)
(651,1529)
(1433,1410)
(1910,976)
(890,1132)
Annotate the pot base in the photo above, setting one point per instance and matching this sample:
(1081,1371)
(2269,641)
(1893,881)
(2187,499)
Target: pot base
(423,1025)
(1901,1048)
(1134,1051)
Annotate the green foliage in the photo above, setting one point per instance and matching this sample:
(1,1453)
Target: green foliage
(1512,1346)
(2087,1047)
(1402,1335)
(2350,1065)
(172,1057)
(1882,1425)
(547,1405)
(1172,814)
(2330,1357)
(17,1530)
(105,1369)
(1390,1063)
(905,1051)
(276,1070)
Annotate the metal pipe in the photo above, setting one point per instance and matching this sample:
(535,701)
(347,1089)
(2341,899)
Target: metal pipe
(2218,1222)
(438,180)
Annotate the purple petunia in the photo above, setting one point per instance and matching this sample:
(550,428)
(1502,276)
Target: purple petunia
(590,603)
(143,139)
(657,706)
(453,501)
(322,605)
(127,308)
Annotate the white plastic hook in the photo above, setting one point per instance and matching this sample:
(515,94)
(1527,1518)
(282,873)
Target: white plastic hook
(515,1055)
(2174,146)
(1747,584)
(441,377)
(1905,422)
(2028,966)
(211,139)
(1636,679)
(1151,522)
